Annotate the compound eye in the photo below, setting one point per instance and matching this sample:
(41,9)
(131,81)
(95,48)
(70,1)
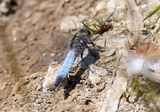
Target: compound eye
(82,30)
(89,32)
(81,41)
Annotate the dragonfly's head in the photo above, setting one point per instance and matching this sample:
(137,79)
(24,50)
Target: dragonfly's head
(83,36)
(84,31)
(80,40)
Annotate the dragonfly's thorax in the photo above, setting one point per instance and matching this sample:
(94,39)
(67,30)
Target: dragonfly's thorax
(80,40)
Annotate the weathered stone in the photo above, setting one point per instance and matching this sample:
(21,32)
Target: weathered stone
(50,77)
(3,8)
(101,5)
(113,94)
(69,23)
(96,74)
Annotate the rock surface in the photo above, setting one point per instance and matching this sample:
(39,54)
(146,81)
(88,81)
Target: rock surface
(35,36)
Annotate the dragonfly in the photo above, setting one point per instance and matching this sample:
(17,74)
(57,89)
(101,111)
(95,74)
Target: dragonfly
(78,43)
(81,40)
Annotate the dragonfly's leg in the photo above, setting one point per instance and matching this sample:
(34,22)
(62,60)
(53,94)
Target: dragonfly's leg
(92,30)
(108,18)
(96,37)
(96,46)
(85,63)
(92,43)
(104,47)
(99,22)
(68,76)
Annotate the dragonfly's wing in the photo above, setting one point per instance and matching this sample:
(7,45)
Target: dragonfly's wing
(59,45)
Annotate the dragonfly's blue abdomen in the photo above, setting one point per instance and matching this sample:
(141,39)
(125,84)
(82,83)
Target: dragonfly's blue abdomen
(67,64)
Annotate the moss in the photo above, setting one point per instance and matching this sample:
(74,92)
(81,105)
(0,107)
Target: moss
(147,90)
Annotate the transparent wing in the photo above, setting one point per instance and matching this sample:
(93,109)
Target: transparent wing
(59,44)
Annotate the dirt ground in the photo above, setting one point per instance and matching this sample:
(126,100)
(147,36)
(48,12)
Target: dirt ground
(33,38)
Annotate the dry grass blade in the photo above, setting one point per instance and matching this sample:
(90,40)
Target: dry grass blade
(134,18)
(134,22)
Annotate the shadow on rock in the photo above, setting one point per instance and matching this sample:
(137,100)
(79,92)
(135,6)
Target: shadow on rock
(91,58)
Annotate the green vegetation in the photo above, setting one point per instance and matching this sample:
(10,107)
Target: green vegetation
(147,90)
(157,9)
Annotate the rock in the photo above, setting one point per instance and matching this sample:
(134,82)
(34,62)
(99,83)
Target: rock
(69,23)
(111,4)
(132,99)
(8,6)
(3,8)
(27,14)
(44,54)
(50,77)
(18,34)
(143,6)
(113,95)
(52,54)
(158,103)
(96,74)
(152,4)
(111,52)
(111,43)
(30,107)
(36,18)
(39,87)
(101,5)
(115,3)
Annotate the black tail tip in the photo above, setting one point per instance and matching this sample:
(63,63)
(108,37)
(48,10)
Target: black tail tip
(58,81)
